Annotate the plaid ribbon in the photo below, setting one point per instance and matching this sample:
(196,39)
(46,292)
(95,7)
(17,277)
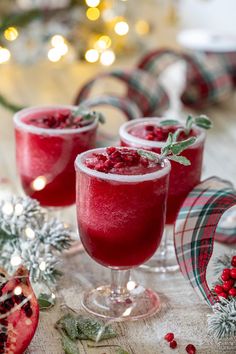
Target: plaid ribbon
(207,81)
(195,231)
(228,60)
(142,88)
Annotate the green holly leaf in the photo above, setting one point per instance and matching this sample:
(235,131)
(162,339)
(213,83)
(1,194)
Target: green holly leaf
(69,346)
(45,301)
(180,159)
(203,122)
(169,122)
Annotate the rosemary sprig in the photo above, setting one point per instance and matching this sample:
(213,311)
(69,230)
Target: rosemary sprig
(171,150)
(201,121)
(87,115)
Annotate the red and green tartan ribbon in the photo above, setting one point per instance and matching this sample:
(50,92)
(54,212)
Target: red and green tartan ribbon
(142,88)
(195,231)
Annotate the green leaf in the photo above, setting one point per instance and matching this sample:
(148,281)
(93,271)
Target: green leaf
(203,122)
(95,330)
(149,155)
(188,125)
(45,301)
(178,147)
(9,105)
(180,159)
(169,122)
(69,324)
(69,346)
(121,351)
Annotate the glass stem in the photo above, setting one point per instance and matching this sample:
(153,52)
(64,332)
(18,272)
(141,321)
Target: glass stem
(167,238)
(119,280)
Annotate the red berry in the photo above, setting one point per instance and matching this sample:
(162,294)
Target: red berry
(149,127)
(169,337)
(233,273)
(225,276)
(218,289)
(232,292)
(149,136)
(173,344)
(110,150)
(190,349)
(226,271)
(223,295)
(228,284)
(233,261)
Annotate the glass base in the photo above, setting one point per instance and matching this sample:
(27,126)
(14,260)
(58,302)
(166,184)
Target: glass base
(137,304)
(164,260)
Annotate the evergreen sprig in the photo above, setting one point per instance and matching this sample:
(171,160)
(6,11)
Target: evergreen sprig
(27,234)
(222,323)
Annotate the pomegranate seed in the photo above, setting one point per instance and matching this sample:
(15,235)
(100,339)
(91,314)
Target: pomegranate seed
(149,127)
(110,150)
(119,165)
(223,295)
(233,261)
(190,349)
(232,292)
(233,273)
(169,337)
(218,289)
(149,137)
(228,284)
(173,344)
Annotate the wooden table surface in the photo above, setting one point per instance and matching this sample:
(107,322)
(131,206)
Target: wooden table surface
(182,312)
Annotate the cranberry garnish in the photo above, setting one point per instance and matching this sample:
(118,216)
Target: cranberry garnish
(190,349)
(233,273)
(218,289)
(233,261)
(232,292)
(227,285)
(223,295)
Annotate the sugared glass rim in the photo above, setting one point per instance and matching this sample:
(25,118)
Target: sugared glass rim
(124,135)
(79,165)
(17,118)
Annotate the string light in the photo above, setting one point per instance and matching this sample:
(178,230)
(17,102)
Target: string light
(29,233)
(92,3)
(107,57)
(19,209)
(103,43)
(42,266)
(18,290)
(93,13)
(92,55)
(4,55)
(15,261)
(40,182)
(57,40)
(121,28)
(142,27)
(8,209)
(11,33)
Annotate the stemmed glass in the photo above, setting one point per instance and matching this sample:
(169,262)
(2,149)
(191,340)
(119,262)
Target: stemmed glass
(182,180)
(120,219)
(45,156)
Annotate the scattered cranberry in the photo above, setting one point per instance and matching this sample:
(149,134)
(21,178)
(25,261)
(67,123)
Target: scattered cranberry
(227,285)
(190,349)
(232,292)
(225,295)
(233,261)
(169,337)
(173,344)
(233,273)
(218,289)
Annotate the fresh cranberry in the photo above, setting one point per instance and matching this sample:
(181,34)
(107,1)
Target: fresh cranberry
(173,344)
(149,127)
(233,273)
(225,276)
(218,289)
(232,292)
(169,337)
(233,261)
(223,294)
(190,349)
(227,285)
